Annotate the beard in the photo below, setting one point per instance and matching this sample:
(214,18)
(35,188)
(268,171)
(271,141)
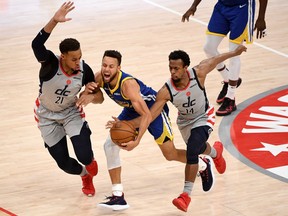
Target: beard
(176,80)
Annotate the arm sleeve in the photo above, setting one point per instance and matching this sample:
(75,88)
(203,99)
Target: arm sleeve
(88,74)
(40,51)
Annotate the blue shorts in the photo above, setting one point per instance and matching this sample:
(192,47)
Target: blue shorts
(160,128)
(238,20)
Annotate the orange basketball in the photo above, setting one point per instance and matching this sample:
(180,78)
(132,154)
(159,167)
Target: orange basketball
(122,132)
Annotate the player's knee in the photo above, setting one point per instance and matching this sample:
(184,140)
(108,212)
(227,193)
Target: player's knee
(169,156)
(210,50)
(112,154)
(192,159)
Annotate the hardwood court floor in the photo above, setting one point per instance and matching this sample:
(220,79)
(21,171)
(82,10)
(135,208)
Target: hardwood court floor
(145,32)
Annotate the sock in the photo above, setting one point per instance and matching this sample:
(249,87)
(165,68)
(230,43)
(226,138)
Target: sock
(231,92)
(84,171)
(224,73)
(117,189)
(188,186)
(213,153)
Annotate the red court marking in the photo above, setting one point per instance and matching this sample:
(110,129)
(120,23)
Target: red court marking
(2,210)
(246,142)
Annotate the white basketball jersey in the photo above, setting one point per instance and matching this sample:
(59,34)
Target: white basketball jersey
(192,104)
(60,92)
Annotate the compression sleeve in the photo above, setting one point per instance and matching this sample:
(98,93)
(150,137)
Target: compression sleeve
(40,51)
(88,74)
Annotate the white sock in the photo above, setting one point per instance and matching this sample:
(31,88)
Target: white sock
(213,153)
(188,186)
(117,189)
(84,171)
(224,73)
(231,92)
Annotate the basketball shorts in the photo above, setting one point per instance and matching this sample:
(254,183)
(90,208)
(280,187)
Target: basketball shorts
(55,125)
(238,20)
(160,128)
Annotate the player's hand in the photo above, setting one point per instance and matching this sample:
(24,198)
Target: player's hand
(260,26)
(110,123)
(129,146)
(91,87)
(84,100)
(60,15)
(190,12)
(241,48)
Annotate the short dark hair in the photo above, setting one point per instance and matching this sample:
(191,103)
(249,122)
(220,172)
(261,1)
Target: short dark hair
(69,44)
(113,54)
(180,54)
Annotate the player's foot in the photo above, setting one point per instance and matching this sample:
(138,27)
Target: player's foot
(227,107)
(182,202)
(92,168)
(207,175)
(224,90)
(115,203)
(219,161)
(88,187)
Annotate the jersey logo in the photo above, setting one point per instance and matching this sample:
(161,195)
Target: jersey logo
(259,133)
(62,93)
(241,6)
(176,94)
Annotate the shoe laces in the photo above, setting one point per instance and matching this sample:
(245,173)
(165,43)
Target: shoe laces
(110,197)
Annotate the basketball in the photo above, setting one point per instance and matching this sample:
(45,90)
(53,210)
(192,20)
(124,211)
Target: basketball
(122,132)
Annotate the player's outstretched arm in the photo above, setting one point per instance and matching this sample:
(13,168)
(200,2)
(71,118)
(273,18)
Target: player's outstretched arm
(209,64)
(59,16)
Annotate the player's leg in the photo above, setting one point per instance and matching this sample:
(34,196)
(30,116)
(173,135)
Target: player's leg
(60,154)
(196,145)
(84,153)
(239,31)
(116,201)
(69,165)
(161,130)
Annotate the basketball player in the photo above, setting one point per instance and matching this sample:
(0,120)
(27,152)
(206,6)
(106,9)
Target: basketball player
(136,98)
(61,78)
(186,91)
(236,17)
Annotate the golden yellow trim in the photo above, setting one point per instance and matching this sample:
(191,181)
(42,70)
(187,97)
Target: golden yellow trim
(165,134)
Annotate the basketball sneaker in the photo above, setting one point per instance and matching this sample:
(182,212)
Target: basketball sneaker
(224,90)
(115,203)
(88,187)
(92,168)
(219,161)
(182,202)
(227,107)
(207,175)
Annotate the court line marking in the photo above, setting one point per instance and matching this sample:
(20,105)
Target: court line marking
(205,24)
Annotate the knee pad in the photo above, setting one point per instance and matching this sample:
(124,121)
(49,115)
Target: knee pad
(196,144)
(112,152)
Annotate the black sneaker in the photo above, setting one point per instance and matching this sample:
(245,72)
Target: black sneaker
(115,203)
(207,175)
(227,107)
(224,90)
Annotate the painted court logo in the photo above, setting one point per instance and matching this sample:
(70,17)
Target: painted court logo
(259,132)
